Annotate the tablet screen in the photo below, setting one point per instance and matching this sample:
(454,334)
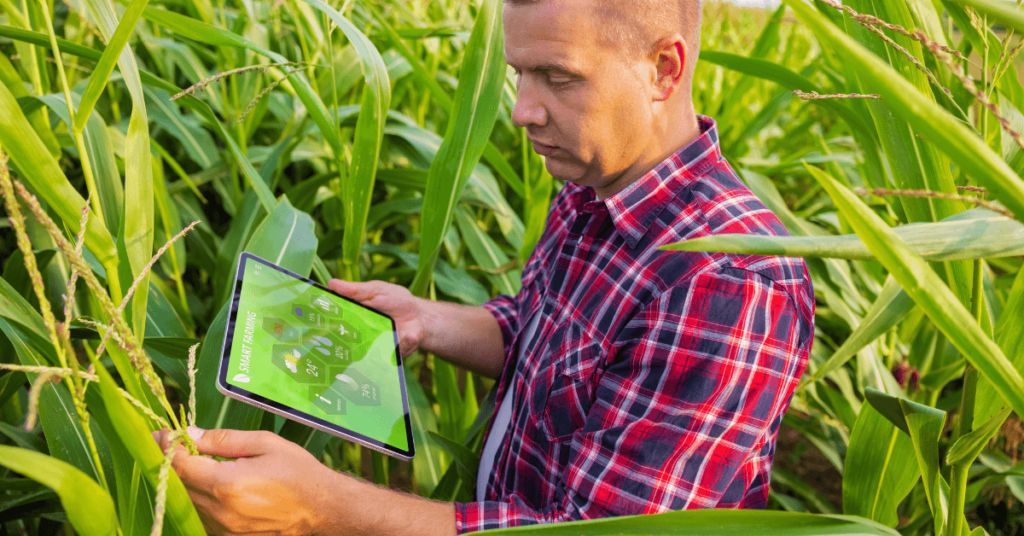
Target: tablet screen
(302,347)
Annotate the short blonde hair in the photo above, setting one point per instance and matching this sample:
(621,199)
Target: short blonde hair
(637,25)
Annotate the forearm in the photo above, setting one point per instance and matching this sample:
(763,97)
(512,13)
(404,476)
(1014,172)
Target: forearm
(467,336)
(354,507)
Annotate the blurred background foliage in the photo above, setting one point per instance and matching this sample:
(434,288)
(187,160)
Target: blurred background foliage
(367,139)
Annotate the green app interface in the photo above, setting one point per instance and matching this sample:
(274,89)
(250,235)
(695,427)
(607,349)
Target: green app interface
(308,349)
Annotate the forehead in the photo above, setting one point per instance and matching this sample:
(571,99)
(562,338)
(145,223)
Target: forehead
(565,32)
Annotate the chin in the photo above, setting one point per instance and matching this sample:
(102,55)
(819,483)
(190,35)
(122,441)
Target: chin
(563,171)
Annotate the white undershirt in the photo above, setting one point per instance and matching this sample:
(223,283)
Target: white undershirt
(503,417)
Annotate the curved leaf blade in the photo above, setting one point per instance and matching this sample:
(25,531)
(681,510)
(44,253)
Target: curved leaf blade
(89,508)
(928,291)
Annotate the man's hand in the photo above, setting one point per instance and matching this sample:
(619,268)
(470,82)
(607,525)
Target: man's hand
(273,487)
(465,335)
(393,300)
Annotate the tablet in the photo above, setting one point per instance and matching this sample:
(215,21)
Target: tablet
(298,349)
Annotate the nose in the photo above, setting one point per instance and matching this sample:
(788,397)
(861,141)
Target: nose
(529,109)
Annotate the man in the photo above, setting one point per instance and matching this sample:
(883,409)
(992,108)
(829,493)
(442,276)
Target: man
(631,380)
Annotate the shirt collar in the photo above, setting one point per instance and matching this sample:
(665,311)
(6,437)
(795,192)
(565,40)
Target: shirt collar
(635,208)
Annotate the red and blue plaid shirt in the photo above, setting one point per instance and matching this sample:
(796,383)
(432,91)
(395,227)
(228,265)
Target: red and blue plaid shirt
(655,380)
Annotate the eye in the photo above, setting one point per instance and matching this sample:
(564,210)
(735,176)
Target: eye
(560,80)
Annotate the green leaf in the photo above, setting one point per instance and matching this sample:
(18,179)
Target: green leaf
(888,310)
(101,158)
(369,135)
(1009,332)
(103,68)
(137,222)
(536,208)
(465,460)
(134,432)
(89,508)
(717,522)
(487,254)
(62,429)
(197,142)
(923,424)
(786,78)
(922,114)
(976,234)
(880,470)
(967,448)
(429,463)
(10,77)
(211,35)
(926,289)
(27,152)
(474,111)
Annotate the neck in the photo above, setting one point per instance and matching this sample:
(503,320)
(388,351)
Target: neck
(668,137)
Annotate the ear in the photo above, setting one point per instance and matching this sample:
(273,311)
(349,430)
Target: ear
(670,56)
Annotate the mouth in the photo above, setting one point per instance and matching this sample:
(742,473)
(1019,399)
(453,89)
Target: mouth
(542,149)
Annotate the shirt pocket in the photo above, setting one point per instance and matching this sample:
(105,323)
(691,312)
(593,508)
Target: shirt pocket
(564,393)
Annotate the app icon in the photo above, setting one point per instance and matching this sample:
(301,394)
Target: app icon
(310,316)
(281,330)
(321,344)
(241,378)
(356,387)
(301,364)
(328,402)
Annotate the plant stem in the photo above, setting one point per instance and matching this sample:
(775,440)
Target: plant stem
(957,498)
(83,154)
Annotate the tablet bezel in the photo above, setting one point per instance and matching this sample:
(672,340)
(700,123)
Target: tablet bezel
(289,412)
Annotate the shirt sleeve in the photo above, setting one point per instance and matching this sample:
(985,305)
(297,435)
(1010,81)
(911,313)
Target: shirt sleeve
(505,310)
(686,414)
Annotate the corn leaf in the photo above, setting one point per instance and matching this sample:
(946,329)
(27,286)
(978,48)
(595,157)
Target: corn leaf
(923,425)
(89,508)
(211,35)
(929,292)
(369,136)
(134,432)
(922,114)
(786,78)
(968,447)
(105,66)
(487,254)
(474,111)
(136,236)
(45,178)
(62,429)
(718,522)
(101,156)
(888,310)
(1009,332)
(976,234)
(880,469)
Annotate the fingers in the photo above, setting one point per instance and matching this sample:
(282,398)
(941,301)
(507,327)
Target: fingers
(356,291)
(232,443)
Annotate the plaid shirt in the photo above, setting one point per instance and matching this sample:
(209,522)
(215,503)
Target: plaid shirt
(655,380)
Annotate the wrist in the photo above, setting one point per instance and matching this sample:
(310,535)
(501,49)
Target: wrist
(332,503)
(427,329)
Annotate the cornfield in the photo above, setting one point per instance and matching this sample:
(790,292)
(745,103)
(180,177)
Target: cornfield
(145,145)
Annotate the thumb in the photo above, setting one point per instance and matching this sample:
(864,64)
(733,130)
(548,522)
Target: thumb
(231,443)
(356,291)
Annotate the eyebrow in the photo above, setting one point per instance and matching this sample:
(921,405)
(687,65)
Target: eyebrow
(556,66)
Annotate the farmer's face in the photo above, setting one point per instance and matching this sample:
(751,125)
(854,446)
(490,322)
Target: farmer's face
(585,102)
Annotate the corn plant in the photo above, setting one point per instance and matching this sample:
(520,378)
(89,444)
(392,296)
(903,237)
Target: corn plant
(150,143)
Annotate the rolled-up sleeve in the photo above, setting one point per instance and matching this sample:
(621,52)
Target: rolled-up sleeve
(505,310)
(686,413)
